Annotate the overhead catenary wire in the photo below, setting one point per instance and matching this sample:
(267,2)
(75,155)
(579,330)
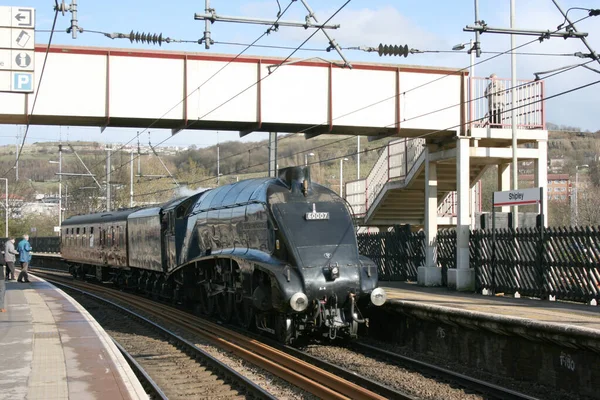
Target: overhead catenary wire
(405,120)
(37,92)
(355,48)
(384,146)
(191,123)
(421,85)
(197,89)
(497,54)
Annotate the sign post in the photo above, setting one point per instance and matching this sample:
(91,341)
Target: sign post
(17,49)
(518,197)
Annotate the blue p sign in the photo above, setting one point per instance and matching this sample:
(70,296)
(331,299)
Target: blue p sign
(22,82)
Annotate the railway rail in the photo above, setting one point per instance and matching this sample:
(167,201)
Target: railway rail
(148,383)
(303,374)
(486,388)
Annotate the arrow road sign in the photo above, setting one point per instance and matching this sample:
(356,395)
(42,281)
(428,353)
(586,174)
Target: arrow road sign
(23,17)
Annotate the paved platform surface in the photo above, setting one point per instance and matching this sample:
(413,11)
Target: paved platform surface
(542,311)
(51,348)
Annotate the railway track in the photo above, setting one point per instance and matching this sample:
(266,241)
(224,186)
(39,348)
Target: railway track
(146,380)
(373,383)
(300,373)
(172,369)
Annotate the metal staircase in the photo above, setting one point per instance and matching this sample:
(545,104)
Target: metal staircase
(394,190)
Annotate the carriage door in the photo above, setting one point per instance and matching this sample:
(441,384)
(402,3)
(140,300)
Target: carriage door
(170,255)
(104,247)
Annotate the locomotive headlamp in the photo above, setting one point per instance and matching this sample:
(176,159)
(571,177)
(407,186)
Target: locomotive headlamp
(378,297)
(299,302)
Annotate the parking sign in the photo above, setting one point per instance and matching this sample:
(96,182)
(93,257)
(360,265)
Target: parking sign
(22,82)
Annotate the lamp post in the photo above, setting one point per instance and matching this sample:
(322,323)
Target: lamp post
(358,157)
(59,162)
(306,158)
(471,73)
(577,190)
(5,206)
(342,176)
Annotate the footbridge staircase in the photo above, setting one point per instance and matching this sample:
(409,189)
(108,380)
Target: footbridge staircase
(394,190)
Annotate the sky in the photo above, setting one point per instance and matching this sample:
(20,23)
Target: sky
(429,25)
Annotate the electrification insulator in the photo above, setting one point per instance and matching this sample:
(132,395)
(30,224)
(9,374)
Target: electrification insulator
(393,50)
(148,38)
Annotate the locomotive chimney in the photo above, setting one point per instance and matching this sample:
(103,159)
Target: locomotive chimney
(297,179)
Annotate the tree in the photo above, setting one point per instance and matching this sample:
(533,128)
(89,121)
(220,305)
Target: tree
(588,205)
(559,213)
(43,224)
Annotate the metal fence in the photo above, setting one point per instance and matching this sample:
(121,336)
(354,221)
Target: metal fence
(530,108)
(398,253)
(41,244)
(559,262)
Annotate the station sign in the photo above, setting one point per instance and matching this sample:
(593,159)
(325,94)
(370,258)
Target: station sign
(518,197)
(17,49)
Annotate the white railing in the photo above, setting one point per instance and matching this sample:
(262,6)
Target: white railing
(529,108)
(448,206)
(394,163)
(356,196)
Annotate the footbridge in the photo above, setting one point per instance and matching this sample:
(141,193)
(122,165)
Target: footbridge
(438,114)
(433,182)
(134,88)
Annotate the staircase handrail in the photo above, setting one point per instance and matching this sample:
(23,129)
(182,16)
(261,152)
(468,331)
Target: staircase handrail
(395,162)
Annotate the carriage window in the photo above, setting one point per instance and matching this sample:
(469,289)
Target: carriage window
(112,235)
(84,230)
(78,231)
(92,230)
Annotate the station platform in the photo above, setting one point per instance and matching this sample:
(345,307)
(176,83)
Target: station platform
(551,349)
(51,348)
(523,316)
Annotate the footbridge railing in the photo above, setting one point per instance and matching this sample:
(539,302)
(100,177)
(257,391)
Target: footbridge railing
(395,163)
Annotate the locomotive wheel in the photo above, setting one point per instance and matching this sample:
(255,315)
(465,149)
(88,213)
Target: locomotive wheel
(207,303)
(246,314)
(225,302)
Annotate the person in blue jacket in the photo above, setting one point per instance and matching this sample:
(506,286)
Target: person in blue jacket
(24,249)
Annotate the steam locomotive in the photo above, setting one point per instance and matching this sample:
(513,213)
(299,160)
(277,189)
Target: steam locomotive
(277,254)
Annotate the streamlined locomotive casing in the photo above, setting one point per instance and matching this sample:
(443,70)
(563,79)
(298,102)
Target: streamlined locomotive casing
(264,222)
(278,252)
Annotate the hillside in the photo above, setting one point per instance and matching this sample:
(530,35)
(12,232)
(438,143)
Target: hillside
(191,168)
(194,168)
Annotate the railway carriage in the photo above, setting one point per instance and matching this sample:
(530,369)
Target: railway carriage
(278,254)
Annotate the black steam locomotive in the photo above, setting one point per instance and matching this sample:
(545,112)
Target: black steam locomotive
(278,254)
